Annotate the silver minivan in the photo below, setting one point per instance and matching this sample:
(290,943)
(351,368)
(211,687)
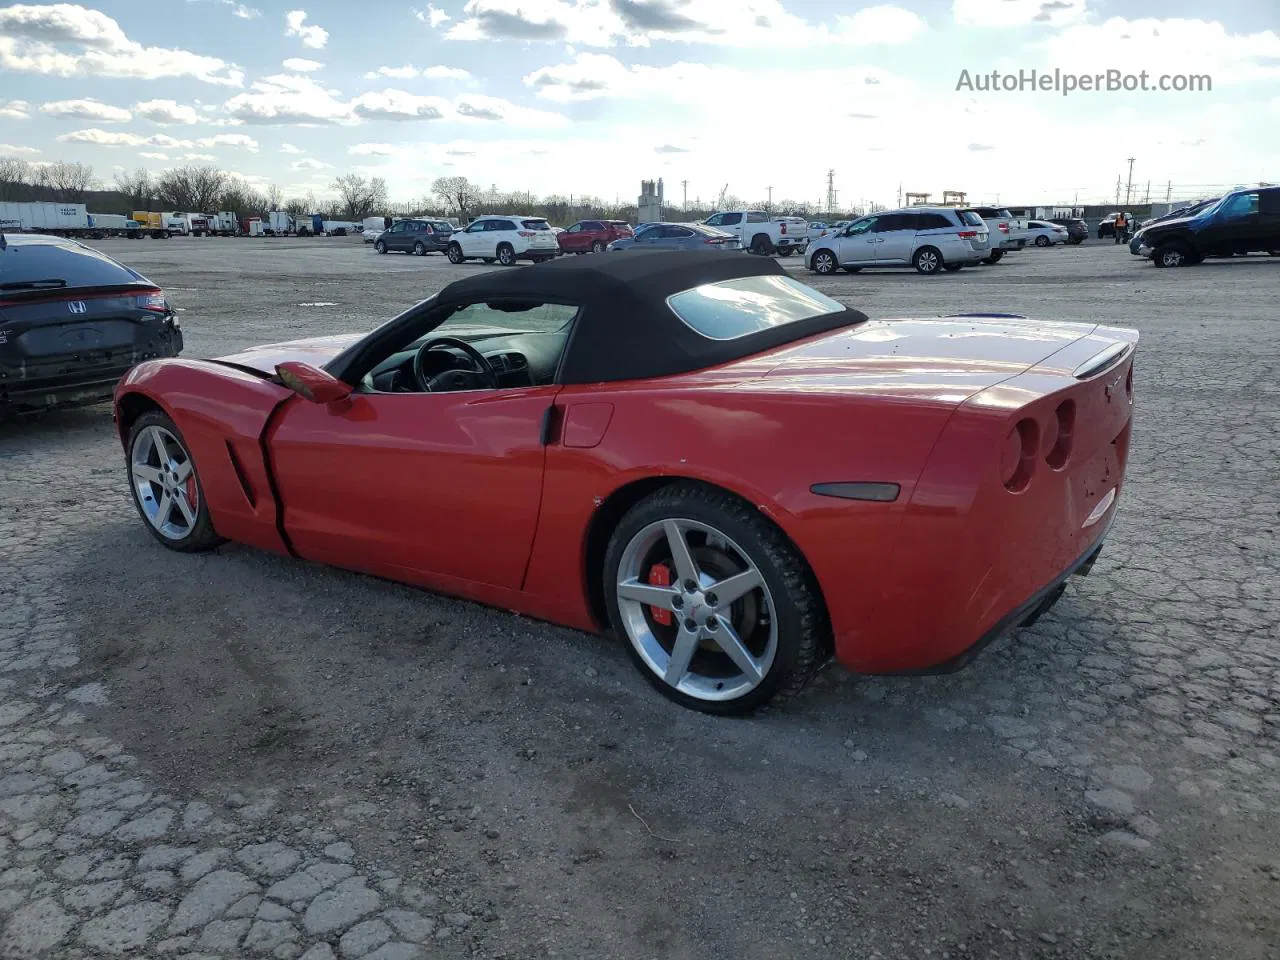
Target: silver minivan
(931,239)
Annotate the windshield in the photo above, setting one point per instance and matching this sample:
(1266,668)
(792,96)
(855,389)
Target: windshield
(500,317)
(1209,208)
(735,308)
(970,218)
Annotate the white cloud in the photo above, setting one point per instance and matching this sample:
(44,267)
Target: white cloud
(758,23)
(288,99)
(372,150)
(312,36)
(1017,13)
(431,15)
(398,105)
(166,112)
(121,138)
(68,40)
(12,150)
(445,73)
(308,163)
(289,148)
(1173,46)
(474,107)
(237,9)
(15,110)
(302,65)
(396,73)
(86,109)
(154,156)
(206,157)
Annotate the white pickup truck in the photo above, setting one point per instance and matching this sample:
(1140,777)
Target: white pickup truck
(762,234)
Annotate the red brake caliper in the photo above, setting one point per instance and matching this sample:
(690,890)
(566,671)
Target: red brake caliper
(660,576)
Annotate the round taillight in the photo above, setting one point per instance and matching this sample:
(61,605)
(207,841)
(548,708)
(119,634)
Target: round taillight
(1018,459)
(1063,427)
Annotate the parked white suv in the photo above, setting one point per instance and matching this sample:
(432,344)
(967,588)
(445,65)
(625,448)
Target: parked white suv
(504,239)
(930,239)
(1007,233)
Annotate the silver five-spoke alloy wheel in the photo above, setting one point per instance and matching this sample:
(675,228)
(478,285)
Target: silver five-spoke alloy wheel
(706,623)
(165,483)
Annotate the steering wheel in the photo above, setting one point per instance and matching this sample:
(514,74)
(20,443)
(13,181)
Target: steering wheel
(453,379)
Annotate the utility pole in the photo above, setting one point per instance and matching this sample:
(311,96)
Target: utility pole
(684,185)
(1168,192)
(899,194)
(831,191)
(1148,199)
(769,203)
(1117,191)
(1129,187)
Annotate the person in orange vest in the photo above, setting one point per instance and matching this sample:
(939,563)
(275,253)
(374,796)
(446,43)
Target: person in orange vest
(1120,228)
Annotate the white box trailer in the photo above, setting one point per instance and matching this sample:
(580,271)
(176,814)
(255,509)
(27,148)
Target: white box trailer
(223,224)
(254,227)
(375,224)
(65,219)
(340,228)
(111,225)
(280,224)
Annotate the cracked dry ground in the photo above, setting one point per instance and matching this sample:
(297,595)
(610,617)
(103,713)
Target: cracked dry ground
(238,755)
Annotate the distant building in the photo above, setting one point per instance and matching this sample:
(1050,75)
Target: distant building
(650,203)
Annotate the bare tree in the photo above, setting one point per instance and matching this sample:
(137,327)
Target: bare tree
(274,197)
(241,199)
(69,182)
(359,197)
(458,194)
(207,184)
(137,187)
(194,189)
(295,206)
(15,178)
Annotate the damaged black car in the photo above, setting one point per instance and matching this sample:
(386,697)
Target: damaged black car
(72,322)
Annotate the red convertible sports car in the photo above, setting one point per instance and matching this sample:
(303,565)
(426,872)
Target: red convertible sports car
(738,475)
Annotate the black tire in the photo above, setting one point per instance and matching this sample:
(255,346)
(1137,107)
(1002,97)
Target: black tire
(824,262)
(952,267)
(786,251)
(851,269)
(597,247)
(379,246)
(419,249)
(506,254)
(801,619)
(1042,241)
(761,245)
(454,253)
(1173,254)
(202,536)
(927,261)
(994,257)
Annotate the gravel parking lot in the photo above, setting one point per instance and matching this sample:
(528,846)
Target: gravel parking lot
(239,755)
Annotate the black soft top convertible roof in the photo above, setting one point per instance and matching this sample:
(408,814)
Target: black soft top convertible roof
(626,330)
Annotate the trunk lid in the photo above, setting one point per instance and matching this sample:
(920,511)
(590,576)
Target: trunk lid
(93,328)
(948,359)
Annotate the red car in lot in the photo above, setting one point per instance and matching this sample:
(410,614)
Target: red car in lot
(735,473)
(592,236)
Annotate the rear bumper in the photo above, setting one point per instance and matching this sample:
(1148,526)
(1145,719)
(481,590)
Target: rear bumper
(537,253)
(799,243)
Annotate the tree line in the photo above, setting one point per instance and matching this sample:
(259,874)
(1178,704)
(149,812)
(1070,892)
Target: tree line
(209,189)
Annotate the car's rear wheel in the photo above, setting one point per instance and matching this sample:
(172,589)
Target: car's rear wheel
(419,249)
(166,486)
(379,246)
(786,251)
(994,257)
(455,253)
(506,254)
(927,260)
(597,247)
(1042,241)
(716,607)
(1172,255)
(824,262)
(761,245)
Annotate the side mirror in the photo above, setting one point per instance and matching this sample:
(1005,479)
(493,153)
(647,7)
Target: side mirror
(312,383)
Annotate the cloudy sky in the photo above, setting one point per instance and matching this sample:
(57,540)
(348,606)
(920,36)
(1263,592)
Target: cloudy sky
(591,96)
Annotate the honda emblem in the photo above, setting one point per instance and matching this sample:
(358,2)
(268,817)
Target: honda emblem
(77,306)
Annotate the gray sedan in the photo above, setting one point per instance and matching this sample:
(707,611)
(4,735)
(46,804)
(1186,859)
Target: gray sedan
(677,236)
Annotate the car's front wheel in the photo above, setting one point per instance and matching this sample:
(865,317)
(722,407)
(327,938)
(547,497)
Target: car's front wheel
(380,247)
(419,249)
(166,486)
(1171,255)
(715,605)
(506,254)
(1042,241)
(597,247)
(824,262)
(455,253)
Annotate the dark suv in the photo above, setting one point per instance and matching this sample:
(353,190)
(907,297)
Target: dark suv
(1077,229)
(72,322)
(418,236)
(1243,221)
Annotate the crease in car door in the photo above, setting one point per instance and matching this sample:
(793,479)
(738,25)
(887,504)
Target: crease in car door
(416,485)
